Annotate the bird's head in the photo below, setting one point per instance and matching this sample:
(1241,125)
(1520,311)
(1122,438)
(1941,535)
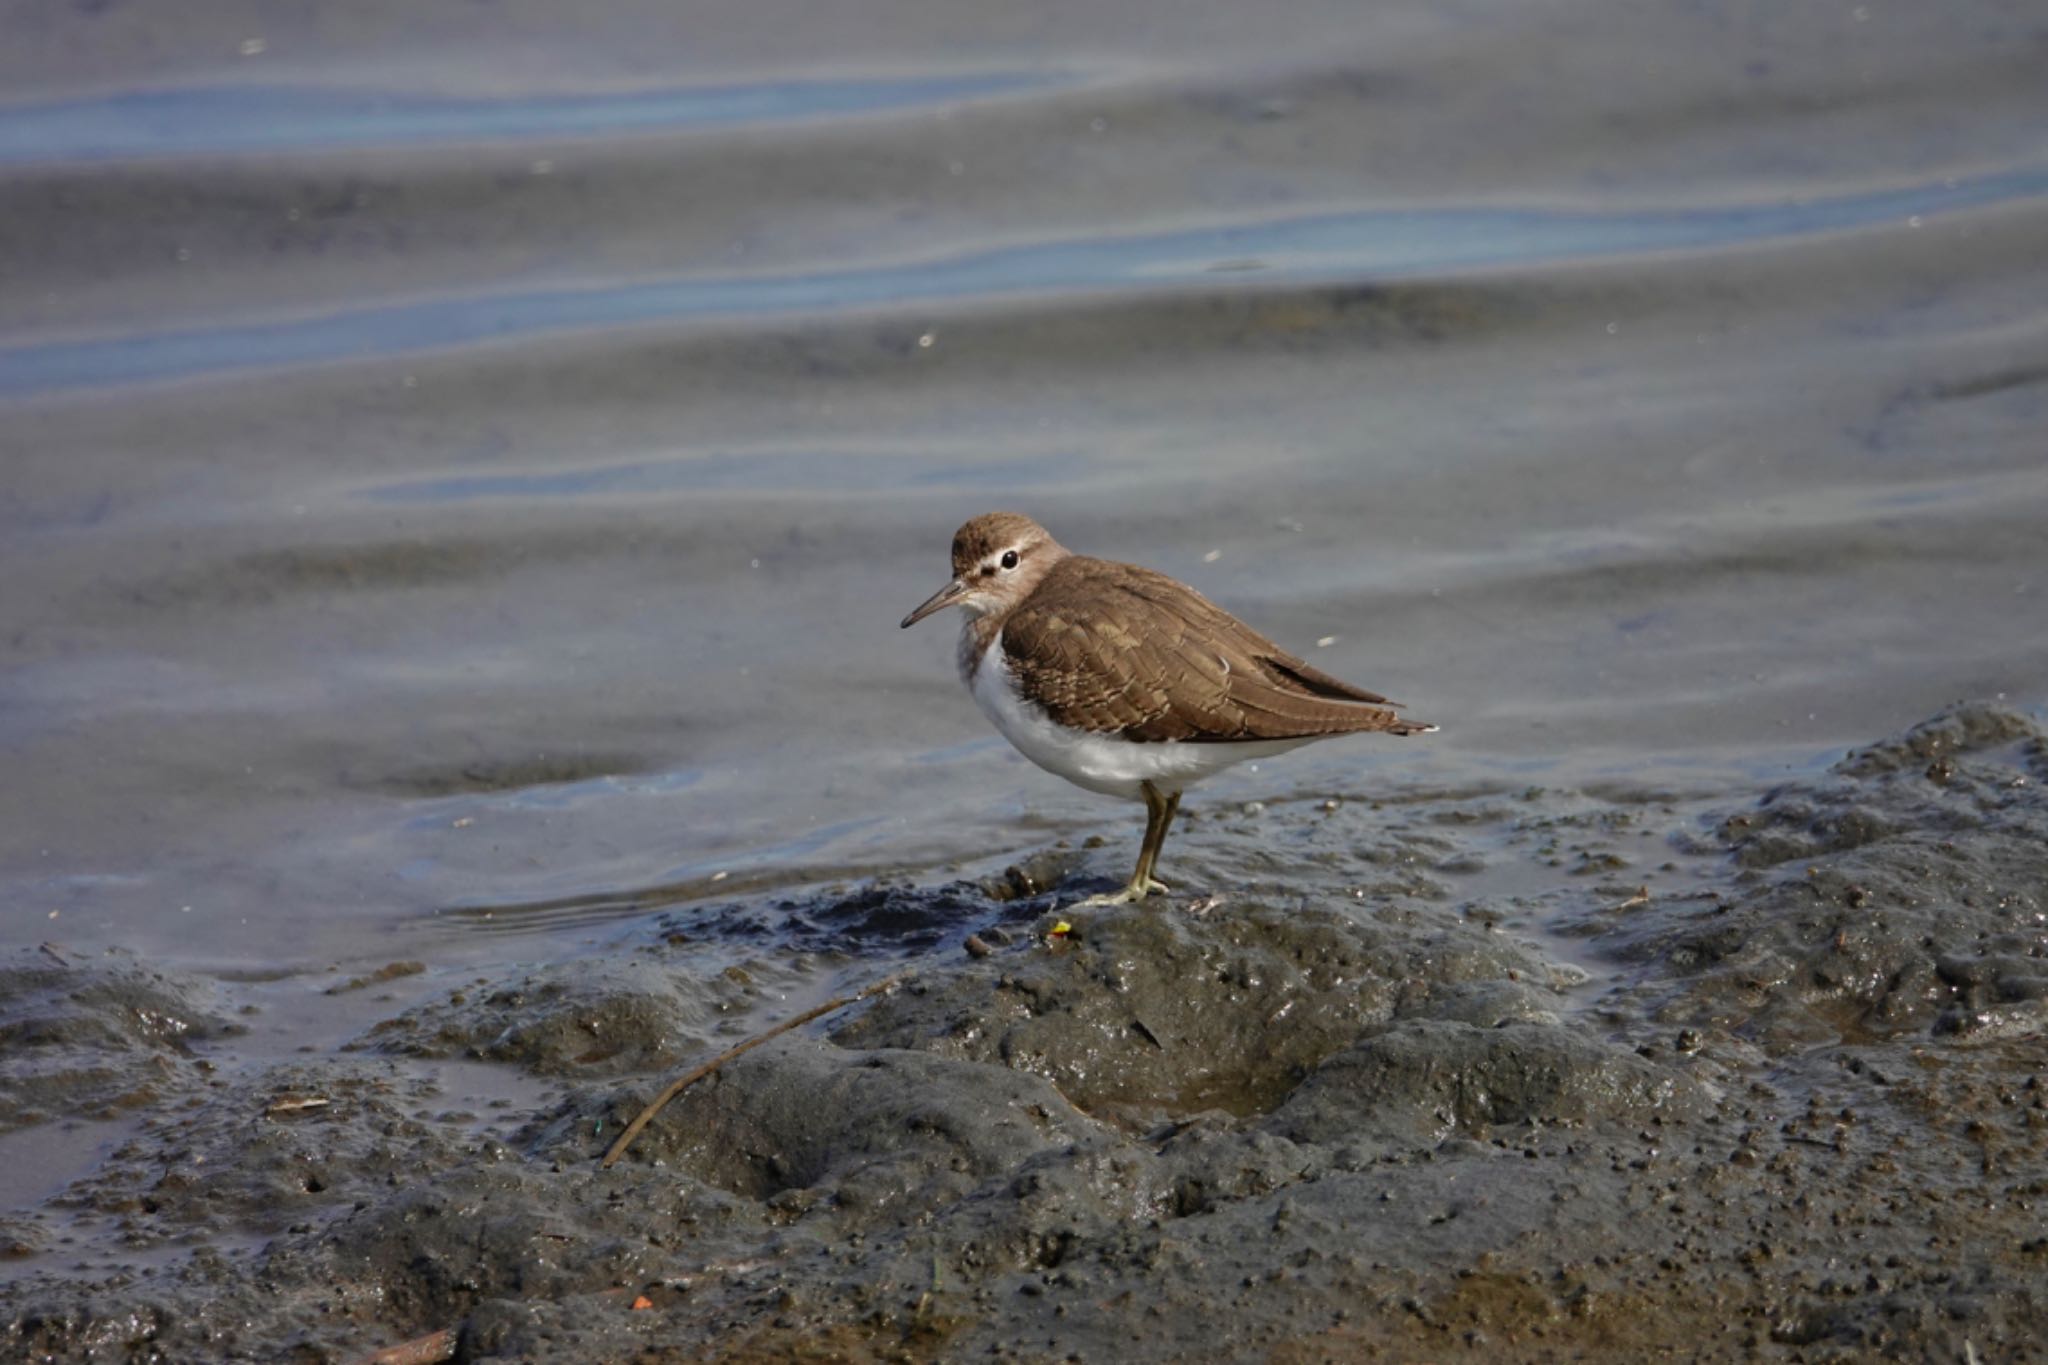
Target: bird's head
(998,558)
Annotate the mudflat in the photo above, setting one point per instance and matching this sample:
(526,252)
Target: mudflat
(1789,1103)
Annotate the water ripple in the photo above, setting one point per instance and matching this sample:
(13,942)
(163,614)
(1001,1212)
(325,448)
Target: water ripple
(749,470)
(149,124)
(1359,246)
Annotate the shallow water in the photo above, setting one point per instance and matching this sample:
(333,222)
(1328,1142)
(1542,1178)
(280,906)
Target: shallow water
(464,472)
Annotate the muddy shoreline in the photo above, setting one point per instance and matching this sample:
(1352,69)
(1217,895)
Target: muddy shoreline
(1474,1074)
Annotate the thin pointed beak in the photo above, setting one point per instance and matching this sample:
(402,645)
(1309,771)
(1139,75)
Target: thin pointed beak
(938,601)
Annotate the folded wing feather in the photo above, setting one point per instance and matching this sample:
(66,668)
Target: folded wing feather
(1136,654)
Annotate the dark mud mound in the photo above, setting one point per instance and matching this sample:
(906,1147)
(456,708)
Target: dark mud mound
(1148,1016)
(895,1132)
(1907,892)
(289,1147)
(588,1017)
(1422,1081)
(92,1037)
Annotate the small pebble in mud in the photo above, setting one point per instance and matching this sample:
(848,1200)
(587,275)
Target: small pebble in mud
(976,946)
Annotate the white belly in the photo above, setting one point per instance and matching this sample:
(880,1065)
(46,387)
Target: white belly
(1102,763)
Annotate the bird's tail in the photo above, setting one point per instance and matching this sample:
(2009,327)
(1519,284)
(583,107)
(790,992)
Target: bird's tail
(1376,721)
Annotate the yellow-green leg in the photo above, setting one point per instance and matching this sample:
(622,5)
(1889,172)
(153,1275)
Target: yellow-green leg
(1159,813)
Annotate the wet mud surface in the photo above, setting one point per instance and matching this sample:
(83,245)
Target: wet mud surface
(1463,1075)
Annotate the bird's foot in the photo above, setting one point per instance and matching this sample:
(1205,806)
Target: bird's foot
(1130,895)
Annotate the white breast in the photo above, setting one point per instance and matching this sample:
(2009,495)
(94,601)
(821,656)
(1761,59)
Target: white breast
(1101,763)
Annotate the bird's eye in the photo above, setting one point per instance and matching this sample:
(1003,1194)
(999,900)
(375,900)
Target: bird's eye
(1009,559)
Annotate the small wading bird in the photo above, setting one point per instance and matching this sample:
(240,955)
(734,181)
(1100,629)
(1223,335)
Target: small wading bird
(1125,682)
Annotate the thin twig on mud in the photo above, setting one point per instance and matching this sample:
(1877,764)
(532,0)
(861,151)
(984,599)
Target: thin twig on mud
(645,1116)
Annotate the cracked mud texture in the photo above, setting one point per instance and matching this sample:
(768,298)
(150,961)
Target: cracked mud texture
(1728,1078)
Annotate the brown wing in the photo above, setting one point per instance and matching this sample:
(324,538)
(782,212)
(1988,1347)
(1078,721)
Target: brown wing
(1116,649)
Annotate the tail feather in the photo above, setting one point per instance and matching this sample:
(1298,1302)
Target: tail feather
(1302,695)
(1282,713)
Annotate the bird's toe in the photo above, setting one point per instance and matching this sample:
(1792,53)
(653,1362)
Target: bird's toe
(1130,895)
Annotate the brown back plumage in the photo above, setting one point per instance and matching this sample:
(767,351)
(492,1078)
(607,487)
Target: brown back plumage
(1118,649)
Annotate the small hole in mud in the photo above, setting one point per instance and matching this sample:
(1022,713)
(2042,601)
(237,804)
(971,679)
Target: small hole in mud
(1053,1250)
